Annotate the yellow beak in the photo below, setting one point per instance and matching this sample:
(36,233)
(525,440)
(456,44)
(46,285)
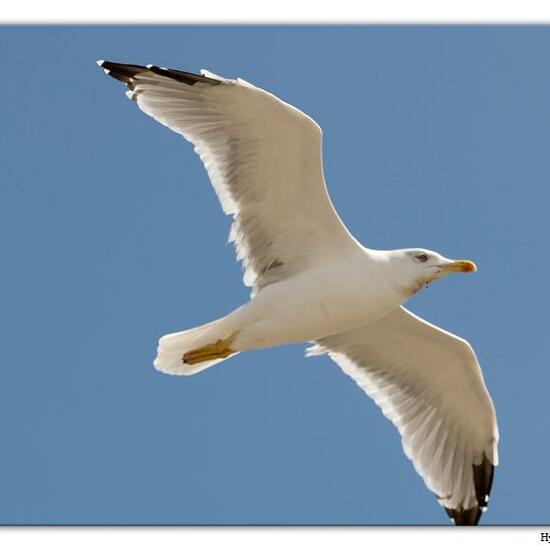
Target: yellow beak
(459,266)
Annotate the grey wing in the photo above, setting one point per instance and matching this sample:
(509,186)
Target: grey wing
(429,384)
(263,157)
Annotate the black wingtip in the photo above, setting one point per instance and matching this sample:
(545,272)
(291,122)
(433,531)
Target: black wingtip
(181,76)
(126,73)
(483,481)
(123,72)
(483,474)
(461,516)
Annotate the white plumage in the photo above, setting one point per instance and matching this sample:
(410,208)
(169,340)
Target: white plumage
(312,281)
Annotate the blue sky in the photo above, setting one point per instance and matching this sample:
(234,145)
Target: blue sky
(435,137)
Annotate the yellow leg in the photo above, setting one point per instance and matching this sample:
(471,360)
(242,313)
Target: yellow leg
(219,350)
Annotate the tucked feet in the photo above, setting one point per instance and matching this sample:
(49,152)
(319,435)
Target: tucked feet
(220,350)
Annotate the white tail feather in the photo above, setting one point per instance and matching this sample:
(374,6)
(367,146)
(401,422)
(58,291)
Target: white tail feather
(171,347)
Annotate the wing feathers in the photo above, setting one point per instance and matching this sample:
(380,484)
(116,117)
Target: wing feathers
(428,383)
(483,480)
(263,157)
(126,73)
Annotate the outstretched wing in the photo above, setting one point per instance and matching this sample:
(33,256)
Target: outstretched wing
(429,384)
(263,157)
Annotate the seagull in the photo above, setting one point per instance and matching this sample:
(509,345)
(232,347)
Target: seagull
(312,281)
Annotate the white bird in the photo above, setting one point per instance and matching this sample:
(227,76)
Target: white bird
(312,281)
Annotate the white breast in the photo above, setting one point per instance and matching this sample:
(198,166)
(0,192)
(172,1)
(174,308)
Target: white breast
(343,294)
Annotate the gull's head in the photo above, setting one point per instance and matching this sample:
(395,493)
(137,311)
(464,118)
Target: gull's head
(414,268)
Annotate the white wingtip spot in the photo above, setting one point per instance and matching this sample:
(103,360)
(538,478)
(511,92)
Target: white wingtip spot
(106,71)
(149,66)
(209,74)
(100,62)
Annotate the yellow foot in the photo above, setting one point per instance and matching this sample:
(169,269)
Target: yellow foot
(219,350)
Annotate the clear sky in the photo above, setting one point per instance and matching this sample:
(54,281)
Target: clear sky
(434,137)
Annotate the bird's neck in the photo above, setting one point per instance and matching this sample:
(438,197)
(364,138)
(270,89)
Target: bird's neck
(400,280)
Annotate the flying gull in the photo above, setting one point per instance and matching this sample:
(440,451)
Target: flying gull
(312,281)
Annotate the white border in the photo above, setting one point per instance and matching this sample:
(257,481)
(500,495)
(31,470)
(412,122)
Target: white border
(270,538)
(280,11)
(283,11)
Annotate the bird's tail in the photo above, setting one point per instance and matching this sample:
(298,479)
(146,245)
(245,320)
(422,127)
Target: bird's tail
(196,349)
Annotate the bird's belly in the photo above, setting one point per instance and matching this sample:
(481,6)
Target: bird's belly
(311,306)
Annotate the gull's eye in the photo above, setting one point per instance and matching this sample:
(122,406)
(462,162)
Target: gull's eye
(422,258)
